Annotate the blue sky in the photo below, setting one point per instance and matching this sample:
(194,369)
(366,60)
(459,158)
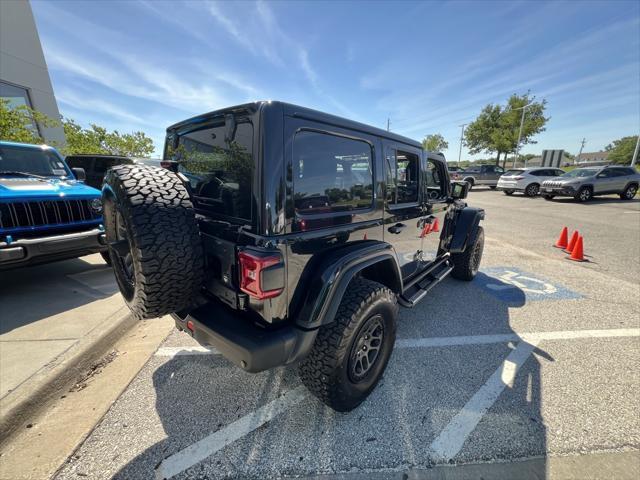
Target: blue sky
(429,66)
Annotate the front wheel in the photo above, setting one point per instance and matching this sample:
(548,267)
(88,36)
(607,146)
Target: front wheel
(629,192)
(350,355)
(467,263)
(584,194)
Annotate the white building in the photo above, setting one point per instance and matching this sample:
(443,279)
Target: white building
(24,77)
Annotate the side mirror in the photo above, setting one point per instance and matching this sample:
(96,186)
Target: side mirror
(459,190)
(80,174)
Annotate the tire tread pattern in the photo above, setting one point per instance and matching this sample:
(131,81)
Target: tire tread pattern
(165,239)
(319,369)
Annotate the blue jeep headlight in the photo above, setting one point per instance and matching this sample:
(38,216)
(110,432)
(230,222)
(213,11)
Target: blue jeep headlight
(96,205)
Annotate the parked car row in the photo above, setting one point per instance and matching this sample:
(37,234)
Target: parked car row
(581,183)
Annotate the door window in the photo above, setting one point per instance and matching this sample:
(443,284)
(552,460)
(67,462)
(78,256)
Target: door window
(434,181)
(331,173)
(402,177)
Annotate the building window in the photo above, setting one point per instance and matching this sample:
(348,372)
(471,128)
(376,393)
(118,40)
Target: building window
(15,95)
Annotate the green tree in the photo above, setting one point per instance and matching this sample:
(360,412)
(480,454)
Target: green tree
(18,124)
(434,143)
(621,150)
(96,139)
(497,128)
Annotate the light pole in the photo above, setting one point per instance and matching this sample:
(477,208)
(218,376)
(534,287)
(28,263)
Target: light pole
(461,135)
(635,152)
(524,109)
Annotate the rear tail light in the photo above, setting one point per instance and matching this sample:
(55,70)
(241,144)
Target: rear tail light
(261,275)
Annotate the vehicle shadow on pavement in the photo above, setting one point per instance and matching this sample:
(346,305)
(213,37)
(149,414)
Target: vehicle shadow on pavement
(405,423)
(33,293)
(597,201)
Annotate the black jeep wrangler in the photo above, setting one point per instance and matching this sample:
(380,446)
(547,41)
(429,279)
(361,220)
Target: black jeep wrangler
(289,235)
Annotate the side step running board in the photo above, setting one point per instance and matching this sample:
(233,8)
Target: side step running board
(420,289)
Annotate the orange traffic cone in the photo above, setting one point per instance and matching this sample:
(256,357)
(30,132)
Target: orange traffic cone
(577,254)
(436,226)
(425,230)
(563,239)
(572,242)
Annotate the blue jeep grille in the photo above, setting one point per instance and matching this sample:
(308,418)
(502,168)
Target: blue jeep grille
(50,212)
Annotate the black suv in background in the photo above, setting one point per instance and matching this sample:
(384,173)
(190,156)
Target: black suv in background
(96,166)
(290,235)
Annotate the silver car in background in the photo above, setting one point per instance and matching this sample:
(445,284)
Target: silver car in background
(585,183)
(527,180)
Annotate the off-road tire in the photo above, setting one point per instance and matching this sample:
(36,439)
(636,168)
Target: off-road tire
(584,194)
(467,263)
(152,208)
(326,369)
(532,190)
(629,192)
(508,192)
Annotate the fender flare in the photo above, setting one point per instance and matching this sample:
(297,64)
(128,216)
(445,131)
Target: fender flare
(328,277)
(466,228)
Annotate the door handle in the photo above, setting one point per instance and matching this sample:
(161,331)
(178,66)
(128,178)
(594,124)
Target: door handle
(397,228)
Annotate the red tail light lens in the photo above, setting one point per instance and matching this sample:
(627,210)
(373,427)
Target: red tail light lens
(261,277)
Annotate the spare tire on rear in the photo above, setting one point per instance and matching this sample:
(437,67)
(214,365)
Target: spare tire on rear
(153,238)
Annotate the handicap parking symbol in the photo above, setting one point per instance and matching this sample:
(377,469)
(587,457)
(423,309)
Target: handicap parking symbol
(506,283)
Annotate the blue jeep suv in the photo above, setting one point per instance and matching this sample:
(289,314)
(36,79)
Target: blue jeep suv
(47,213)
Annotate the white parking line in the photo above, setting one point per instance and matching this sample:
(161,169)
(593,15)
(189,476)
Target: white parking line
(182,460)
(452,438)
(179,351)
(433,342)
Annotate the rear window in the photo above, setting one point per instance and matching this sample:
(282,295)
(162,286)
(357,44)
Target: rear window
(513,173)
(331,173)
(218,161)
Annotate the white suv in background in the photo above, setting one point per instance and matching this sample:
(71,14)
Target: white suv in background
(527,180)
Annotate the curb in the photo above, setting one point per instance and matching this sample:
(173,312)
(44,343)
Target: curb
(31,398)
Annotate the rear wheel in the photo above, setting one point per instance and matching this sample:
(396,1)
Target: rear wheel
(153,239)
(532,190)
(508,192)
(629,192)
(492,187)
(350,355)
(467,263)
(584,194)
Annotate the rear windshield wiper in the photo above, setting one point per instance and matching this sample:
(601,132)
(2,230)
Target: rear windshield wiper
(24,174)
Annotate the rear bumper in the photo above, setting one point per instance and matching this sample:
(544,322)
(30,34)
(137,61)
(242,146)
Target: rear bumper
(33,251)
(244,343)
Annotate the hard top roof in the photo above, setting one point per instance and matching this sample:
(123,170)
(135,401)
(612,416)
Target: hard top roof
(302,112)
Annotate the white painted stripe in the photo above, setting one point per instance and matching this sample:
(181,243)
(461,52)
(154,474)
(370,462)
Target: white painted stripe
(452,438)
(179,351)
(186,458)
(433,342)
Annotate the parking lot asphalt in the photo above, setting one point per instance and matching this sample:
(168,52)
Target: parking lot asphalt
(536,358)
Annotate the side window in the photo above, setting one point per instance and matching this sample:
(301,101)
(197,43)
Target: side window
(402,177)
(433,180)
(619,172)
(606,173)
(331,173)
(499,170)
